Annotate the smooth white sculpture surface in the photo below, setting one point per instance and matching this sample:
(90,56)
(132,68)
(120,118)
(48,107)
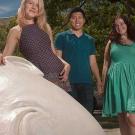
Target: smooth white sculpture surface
(31,105)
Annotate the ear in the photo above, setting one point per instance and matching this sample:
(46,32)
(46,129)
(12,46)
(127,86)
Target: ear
(23,64)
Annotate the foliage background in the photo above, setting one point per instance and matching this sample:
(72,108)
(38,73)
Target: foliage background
(100,14)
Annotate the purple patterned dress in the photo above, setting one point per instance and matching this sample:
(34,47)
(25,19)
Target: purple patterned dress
(35,45)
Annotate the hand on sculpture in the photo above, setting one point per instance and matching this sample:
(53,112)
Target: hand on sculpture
(2,60)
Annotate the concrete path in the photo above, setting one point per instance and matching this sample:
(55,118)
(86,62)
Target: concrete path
(115,131)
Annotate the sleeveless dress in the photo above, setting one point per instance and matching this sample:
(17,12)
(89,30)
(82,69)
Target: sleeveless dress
(120,81)
(35,45)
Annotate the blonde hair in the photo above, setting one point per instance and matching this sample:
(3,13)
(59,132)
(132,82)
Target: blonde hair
(40,20)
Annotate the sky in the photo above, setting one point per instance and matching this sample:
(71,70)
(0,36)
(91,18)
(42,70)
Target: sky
(8,7)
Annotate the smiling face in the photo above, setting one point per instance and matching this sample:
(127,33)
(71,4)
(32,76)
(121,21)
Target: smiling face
(31,9)
(77,21)
(120,26)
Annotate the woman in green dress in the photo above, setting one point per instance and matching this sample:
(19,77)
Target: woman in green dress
(118,75)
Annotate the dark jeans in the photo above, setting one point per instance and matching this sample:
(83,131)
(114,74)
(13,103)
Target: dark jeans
(84,94)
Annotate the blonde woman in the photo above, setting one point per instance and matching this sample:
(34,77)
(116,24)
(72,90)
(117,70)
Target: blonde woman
(34,37)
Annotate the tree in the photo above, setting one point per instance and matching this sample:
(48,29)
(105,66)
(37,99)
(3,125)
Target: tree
(100,14)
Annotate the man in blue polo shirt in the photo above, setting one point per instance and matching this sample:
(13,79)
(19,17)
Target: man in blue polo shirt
(78,49)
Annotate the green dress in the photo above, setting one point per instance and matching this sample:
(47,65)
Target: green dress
(120,81)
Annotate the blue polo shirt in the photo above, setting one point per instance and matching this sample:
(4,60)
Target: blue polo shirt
(76,52)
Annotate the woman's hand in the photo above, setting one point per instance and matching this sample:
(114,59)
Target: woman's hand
(2,60)
(64,73)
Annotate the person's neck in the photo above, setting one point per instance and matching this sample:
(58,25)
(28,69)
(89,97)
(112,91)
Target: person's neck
(78,33)
(125,40)
(124,36)
(27,22)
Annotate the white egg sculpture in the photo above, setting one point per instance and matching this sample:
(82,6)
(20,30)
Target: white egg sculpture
(31,105)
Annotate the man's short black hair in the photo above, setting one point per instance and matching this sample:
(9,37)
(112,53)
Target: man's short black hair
(77,9)
(74,10)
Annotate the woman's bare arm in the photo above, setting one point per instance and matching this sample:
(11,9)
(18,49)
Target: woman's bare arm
(51,38)
(106,62)
(95,71)
(11,43)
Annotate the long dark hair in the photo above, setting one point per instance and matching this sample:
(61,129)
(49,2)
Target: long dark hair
(130,28)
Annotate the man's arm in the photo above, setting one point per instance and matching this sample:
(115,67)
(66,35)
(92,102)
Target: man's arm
(95,71)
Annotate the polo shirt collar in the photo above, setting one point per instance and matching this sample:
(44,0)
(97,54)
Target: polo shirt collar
(71,33)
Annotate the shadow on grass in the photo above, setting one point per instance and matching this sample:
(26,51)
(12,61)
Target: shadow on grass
(107,123)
